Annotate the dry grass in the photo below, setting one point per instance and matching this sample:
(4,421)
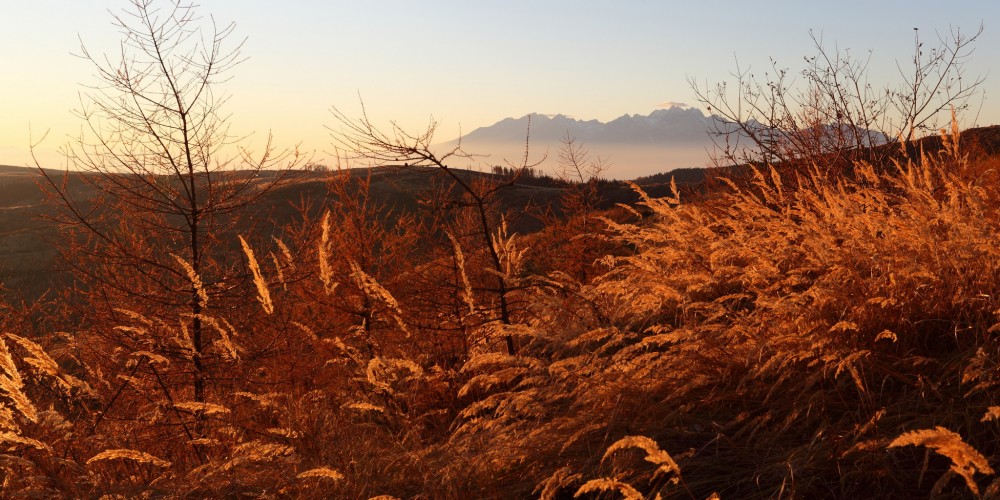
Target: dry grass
(789,337)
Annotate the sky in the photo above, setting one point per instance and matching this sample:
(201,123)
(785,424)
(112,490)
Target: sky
(469,64)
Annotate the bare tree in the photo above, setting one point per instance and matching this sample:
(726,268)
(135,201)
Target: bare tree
(833,115)
(359,140)
(163,178)
(580,202)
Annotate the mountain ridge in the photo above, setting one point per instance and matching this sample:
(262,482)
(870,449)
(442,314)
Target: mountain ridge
(634,145)
(670,124)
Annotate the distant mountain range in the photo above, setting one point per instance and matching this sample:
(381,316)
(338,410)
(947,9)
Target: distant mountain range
(635,145)
(674,125)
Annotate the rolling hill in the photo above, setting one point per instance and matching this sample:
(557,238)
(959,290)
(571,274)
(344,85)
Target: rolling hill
(29,238)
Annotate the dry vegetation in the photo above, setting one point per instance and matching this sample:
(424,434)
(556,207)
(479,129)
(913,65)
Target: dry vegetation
(800,337)
(804,332)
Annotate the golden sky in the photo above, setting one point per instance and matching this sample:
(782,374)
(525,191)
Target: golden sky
(467,64)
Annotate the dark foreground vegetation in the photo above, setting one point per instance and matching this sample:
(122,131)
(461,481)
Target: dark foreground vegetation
(819,323)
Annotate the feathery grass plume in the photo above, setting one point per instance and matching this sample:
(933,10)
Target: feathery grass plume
(285,433)
(608,484)
(460,266)
(325,270)
(195,280)
(135,316)
(136,331)
(336,342)
(341,347)
(127,454)
(950,140)
(206,409)
(654,454)
(365,407)
(45,365)
(205,442)
(286,252)
(151,356)
(488,359)
(12,386)
(226,334)
(375,291)
(965,460)
(269,400)
(886,335)
(992,413)
(382,372)
(278,270)
(307,330)
(184,341)
(263,293)
(257,451)
(511,258)
(559,479)
(499,370)
(11,440)
(322,473)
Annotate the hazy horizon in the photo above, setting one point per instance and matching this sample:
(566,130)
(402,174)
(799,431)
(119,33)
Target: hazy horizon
(467,65)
